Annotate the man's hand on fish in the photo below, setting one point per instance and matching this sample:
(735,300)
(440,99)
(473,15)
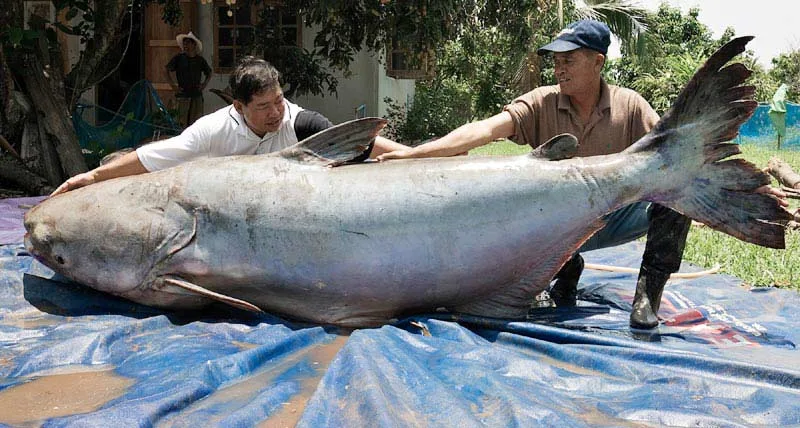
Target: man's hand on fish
(397,154)
(75,182)
(127,164)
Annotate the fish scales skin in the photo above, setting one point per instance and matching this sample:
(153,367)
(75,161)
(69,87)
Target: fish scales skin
(280,234)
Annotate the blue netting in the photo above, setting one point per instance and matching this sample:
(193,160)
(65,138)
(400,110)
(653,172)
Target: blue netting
(142,117)
(759,129)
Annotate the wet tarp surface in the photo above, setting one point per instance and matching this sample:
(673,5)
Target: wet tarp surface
(725,355)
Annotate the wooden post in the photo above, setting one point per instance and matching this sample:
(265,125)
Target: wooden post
(783,173)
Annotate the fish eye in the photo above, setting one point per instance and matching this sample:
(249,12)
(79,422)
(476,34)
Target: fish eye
(60,260)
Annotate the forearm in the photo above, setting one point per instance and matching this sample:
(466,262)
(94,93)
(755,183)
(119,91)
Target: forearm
(385,145)
(205,82)
(467,137)
(172,80)
(128,164)
(460,140)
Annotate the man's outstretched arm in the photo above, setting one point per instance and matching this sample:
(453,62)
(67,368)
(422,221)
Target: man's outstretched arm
(128,164)
(461,140)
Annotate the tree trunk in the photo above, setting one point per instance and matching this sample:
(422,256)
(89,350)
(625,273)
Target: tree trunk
(102,53)
(53,116)
(38,155)
(5,90)
(12,171)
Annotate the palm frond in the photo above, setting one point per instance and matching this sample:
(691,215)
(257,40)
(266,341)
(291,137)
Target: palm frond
(627,21)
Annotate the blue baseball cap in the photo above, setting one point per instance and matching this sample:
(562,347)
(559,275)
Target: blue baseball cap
(586,33)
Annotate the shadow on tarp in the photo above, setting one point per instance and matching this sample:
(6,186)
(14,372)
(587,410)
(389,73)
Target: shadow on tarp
(724,355)
(60,296)
(54,294)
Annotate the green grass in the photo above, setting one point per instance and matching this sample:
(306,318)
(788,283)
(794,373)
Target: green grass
(706,247)
(502,147)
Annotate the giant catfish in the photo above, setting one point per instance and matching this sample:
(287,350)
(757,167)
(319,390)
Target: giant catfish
(304,234)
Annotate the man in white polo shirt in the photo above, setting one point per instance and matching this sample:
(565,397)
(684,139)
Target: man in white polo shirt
(260,120)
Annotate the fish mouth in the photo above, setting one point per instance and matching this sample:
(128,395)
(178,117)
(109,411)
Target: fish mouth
(28,244)
(29,248)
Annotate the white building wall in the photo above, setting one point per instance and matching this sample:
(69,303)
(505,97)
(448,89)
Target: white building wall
(401,91)
(360,88)
(367,86)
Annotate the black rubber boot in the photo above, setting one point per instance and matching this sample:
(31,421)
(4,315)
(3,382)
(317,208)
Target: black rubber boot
(565,289)
(647,300)
(666,239)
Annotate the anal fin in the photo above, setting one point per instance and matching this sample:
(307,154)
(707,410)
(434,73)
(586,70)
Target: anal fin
(196,289)
(507,305)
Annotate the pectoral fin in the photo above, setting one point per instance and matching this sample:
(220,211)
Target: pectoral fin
(198,290)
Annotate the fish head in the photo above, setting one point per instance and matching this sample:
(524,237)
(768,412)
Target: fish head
(96,239)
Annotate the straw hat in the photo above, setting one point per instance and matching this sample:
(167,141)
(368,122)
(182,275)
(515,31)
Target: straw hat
(181,37)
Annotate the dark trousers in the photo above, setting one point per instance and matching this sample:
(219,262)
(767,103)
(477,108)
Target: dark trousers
(189,109)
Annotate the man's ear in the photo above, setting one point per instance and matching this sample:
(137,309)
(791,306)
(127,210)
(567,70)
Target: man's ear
(600,60)
(238,106)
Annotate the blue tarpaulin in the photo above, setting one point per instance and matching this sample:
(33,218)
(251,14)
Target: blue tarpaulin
(724,355)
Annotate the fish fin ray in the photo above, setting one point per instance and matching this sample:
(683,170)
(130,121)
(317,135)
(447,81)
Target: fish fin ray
(204,292)
(350,141)
(715,97)
(752,217)
(711,107)
(692,142)
(562,146)
(515,298)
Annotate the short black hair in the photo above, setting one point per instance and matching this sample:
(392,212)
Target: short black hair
(251,77)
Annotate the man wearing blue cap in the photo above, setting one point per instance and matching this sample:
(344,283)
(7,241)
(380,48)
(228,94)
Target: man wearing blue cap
(606,119)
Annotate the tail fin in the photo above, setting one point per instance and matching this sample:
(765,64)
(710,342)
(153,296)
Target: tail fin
(694,136)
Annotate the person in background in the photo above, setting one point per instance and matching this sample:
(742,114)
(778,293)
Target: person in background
(260,120)
(185,72)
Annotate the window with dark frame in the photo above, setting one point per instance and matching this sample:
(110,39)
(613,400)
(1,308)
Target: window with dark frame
(399,64)
(235,26)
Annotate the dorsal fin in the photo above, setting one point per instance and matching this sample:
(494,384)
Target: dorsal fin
(562,146)
(338,144)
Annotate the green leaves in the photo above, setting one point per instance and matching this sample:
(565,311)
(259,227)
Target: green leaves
(18,38)
(676,45)
(15,36)
(786,69)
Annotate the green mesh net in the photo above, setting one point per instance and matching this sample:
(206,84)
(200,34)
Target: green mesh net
(141,118)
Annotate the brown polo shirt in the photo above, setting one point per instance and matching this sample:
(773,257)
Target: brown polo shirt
(620,118)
